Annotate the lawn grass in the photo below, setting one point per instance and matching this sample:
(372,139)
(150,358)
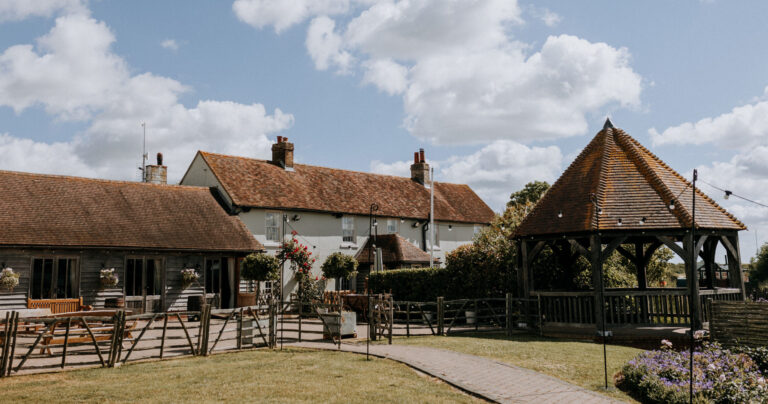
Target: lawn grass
(577,362)
(293,375)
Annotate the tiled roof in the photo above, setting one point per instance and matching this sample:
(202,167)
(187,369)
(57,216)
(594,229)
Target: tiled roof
(633,187)
(394,250)
(58,211)
(259,183)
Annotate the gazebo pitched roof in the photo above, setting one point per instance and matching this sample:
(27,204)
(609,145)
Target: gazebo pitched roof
(394,250)
(634,190)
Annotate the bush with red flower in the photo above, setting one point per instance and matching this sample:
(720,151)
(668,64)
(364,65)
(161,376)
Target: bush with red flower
(310,286)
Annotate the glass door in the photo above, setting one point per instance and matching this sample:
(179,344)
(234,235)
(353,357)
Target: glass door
(144,284)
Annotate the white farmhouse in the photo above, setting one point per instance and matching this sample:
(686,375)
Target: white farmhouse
(330,209)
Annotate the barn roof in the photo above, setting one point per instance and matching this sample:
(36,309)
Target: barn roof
(633,188)
(60,211)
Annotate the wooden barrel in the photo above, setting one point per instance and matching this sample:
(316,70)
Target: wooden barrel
(195,302)
(114,303)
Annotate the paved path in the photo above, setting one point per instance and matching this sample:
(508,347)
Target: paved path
(489,379)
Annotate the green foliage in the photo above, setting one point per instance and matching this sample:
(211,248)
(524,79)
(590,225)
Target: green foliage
(418,284)
(758,276)
(620,272)
(260,267)
(531,193)
(310,289)
(339,265)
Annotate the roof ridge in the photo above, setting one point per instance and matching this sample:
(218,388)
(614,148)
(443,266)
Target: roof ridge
(101,180)
(329,168)
(630,145)
(686,182)
(601,182)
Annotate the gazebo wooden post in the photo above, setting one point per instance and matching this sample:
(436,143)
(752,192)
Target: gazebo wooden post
(597,275)
(735,275)
(525,274)
(692,275)
(708,255)
(641,264)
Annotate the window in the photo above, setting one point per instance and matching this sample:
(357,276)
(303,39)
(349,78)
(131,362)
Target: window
(348,229)
(212,276)
(54,278)
(143,277)
(272,226)
(391,226)
(478,228)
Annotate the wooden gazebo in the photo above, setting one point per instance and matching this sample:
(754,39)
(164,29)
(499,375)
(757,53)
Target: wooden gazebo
(618,196)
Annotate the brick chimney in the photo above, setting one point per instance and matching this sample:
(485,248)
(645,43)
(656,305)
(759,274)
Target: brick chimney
(158,173)
(282,153)
(419,168)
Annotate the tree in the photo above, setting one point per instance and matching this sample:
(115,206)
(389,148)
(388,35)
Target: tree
(531,193)
(260,267)
(758,276)
(339,266)
(620,272)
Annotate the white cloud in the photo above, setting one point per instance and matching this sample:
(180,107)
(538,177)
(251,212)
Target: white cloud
(549,18)
(74,74)
(463,77)
(324,45)
(388,76)
(493,172)
(741,128)
(283,14)
(13,10)
(170,44)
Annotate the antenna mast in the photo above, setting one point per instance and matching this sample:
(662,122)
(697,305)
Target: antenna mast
(144,154)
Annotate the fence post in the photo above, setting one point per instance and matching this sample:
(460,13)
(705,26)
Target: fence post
(541,317)
(4,355)
(440,315)
(508,314)
(391,318)
(371,321)
(408,320)
(13,343)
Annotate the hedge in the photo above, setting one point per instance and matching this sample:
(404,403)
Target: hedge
(419,285)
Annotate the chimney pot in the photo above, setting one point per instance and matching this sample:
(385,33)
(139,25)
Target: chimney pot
(279,139)
(421,156)
(285,139)
(415,157)
(159,159)
(156,174)
(419,168)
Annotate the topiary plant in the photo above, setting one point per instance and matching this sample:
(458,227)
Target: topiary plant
(339,266)
(260,267)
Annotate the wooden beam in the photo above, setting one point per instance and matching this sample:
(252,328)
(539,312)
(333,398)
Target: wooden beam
(535,250)
(674,247)
(650,250)
(728,246)
(627,254)
(612,246)
(640,266)
(578,247)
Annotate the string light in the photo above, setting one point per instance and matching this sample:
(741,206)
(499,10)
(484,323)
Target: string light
(729,193)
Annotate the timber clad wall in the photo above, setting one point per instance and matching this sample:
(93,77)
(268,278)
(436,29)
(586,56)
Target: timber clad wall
(90,264)
(742,323)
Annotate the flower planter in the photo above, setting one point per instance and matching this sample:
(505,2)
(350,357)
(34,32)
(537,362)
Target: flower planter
(331,324)
(245,299)
(471,317)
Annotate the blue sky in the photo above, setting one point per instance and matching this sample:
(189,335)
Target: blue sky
(499,93)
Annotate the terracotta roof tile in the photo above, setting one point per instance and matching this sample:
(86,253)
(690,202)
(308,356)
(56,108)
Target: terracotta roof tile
(259,183)
(59,211)
(394,250)
(630,184)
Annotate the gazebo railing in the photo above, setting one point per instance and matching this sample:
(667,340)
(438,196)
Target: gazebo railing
(657,306)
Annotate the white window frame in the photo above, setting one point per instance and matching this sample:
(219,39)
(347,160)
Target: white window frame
(348,230)
(274,228)
(477,229)
(392,226)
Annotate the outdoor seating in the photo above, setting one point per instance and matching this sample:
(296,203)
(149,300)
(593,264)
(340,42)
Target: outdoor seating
(80,332)
(57,305)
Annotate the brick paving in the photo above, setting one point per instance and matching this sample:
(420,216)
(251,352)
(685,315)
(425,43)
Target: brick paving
(486,378)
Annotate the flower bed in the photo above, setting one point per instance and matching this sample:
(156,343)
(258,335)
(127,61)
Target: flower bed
(719,375)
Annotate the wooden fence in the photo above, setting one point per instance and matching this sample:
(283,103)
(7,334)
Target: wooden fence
(444,317)
(659,306)
(739,323)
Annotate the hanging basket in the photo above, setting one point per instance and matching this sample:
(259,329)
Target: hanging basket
(8,279)
(108,278)
(188,277)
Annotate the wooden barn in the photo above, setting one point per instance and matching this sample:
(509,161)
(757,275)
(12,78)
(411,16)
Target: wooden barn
(59,232)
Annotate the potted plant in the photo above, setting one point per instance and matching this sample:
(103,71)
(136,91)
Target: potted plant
(108,278)
(188,277)
(8,279)
(259,267)
(339,266)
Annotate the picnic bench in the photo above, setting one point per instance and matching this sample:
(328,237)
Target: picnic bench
(57,305)
(80,330)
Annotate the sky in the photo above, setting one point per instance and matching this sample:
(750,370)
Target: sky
(498,92)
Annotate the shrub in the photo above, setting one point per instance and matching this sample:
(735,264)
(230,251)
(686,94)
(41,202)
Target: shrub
(339,265)
(720,376)
(260,267)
